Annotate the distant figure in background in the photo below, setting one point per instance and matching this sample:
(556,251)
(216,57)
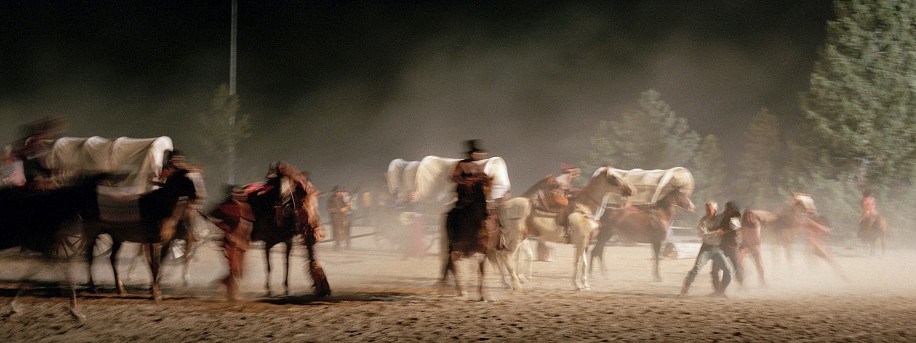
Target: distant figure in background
(750,245)
(11,172)
(235,217)
(872,225)
(415,223)
(36,136)
(339,205)
(37,176)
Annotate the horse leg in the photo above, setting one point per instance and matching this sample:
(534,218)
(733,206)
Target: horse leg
(480,278)
(113,259)
(656,251)
(598,252)
(267,248)
(525,248)
(320,280)
(89,257)
(446,267)
(505,259)
(289,249)
(186,260)
(453,262)
(71,283)
(493,257)
(153,255)
(580,268)
(883,240)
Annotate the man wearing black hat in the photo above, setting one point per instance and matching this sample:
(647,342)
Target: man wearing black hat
(466,171)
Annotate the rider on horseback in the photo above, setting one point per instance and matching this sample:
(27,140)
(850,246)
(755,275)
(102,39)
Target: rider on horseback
(467,172)
(565,184)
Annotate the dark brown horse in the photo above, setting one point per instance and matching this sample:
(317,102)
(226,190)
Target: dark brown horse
(48,222)
(160,214)
(871,229)
(646,224)
(470,230)
(284,207)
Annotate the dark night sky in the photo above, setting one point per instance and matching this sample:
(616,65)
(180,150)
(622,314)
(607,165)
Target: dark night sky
(341,88)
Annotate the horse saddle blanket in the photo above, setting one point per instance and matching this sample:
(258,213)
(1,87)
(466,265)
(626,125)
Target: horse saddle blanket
(117,206)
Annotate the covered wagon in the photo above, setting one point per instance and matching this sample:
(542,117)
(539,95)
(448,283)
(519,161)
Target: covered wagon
(428,183)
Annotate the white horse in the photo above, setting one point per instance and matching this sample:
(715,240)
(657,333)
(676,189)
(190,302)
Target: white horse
(519,221)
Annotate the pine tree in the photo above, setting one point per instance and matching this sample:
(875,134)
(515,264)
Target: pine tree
(861,104)
(651,137)
(708,170)
(223,128)
(759,162)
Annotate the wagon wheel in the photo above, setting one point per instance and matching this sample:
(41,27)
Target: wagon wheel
(70,245)
(431,238)
(383,239)
(177,250)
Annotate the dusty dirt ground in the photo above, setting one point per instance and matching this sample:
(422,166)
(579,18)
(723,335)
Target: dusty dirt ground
(382,296)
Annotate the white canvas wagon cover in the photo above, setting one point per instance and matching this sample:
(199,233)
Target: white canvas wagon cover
(431,177)
(140,158)
(651,185)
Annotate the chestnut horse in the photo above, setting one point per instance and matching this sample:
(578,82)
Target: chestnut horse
(468,228)
(160,214)
(48,222)
(871,229)
(647,224)
(519,219)
(284,207)
(782,229)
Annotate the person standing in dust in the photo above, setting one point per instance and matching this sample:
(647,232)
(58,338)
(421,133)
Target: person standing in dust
(750,245)
(235,218)
(729,246)
(711,231)
(339,207)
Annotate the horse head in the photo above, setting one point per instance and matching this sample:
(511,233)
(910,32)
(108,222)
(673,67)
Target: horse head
(605,181)
(679,198)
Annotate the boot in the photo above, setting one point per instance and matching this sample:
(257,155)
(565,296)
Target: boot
(684,289)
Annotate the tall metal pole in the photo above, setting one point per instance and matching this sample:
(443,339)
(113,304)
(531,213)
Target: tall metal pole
(232,45)
(232,71)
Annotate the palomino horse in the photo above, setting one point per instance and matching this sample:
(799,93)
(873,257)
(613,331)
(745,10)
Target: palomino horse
(543,224)
(284,207)
(47,221)
(647,224)
(466,227)
(160,214)
(871,229)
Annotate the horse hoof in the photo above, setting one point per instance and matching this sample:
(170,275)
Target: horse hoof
(77,315)
(15,308)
